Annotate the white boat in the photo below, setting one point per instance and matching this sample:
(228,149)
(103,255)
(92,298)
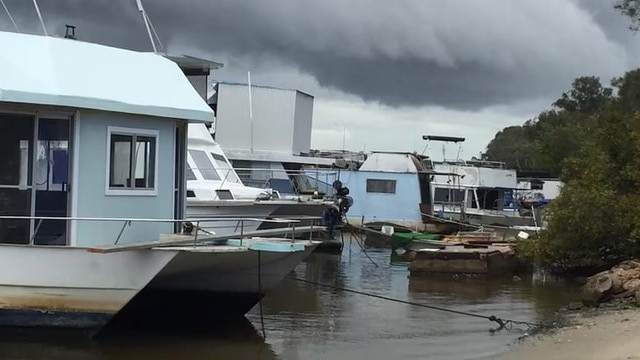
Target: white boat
(214,189)
(94,159)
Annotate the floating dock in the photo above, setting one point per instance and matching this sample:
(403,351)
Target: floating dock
(464,260)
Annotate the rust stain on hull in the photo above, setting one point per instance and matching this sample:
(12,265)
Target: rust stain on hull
(60,302)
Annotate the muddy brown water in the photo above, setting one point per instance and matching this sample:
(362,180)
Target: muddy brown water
(303,321)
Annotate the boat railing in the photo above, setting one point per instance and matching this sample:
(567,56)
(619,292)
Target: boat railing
(296,182)
(190,226)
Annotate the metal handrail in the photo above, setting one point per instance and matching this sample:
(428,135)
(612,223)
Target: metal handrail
(129,221)
(224,174)
(211,219)
(264,170)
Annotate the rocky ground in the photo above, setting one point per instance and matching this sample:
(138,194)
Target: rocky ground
(621,282)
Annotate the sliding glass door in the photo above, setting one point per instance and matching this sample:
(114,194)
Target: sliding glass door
(16,170)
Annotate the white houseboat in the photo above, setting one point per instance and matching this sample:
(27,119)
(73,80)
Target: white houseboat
(94,141)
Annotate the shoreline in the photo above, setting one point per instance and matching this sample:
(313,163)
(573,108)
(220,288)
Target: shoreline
(604,334)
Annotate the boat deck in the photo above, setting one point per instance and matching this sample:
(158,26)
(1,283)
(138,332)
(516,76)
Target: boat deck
(254,240)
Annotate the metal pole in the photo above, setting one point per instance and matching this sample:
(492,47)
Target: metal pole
(35,232)
(44,29)
(250,110)
(241,231)
(195,237)
(127,222)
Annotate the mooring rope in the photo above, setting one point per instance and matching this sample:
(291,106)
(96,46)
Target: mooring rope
(359,244)
(503,323)
(364,250)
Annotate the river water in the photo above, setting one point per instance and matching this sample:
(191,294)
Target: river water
(304,321)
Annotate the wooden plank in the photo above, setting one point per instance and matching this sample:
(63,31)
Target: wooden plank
(189,240)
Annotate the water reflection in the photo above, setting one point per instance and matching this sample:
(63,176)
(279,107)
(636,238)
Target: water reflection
(240,341)
(303,321)
(330,324)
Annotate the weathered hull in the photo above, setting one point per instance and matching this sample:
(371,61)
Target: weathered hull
(209,284)
(73,308)
(458,261)
(65,287)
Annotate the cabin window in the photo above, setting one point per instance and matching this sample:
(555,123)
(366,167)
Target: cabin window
(448,196)
(381,186)
(537,185)
(490,199)
(226,170)
(132,162)
(204,165)
(190,174)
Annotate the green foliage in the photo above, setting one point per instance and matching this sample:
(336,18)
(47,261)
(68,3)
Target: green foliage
(596,219)
(630,8)
(542,144)
(591,139)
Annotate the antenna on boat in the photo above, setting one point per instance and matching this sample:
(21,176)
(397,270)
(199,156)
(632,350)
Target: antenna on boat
(35,4)
(344,136)
(149,26)
(9,15)
(250,108)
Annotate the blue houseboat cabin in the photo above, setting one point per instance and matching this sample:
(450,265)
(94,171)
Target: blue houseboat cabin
(99,134)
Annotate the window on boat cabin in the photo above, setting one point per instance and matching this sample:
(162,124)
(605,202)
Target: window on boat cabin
(448,196)
(226,170)
(190,175)
(132,159)
(204,165)
(537,184)
(381,186)
(490,199)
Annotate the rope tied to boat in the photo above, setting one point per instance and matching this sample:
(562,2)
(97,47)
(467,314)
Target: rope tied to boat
(503,324)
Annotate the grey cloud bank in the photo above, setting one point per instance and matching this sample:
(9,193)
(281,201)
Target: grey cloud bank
(462,55)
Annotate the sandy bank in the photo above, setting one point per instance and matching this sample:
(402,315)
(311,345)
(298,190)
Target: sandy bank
(611,335)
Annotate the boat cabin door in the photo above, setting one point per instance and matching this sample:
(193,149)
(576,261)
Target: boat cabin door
(51,179)
(426,205)
(34,172)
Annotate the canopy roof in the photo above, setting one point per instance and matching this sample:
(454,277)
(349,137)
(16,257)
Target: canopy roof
(71,73)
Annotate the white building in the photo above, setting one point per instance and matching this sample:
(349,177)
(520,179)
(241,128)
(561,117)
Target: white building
(281,121)
(266,133)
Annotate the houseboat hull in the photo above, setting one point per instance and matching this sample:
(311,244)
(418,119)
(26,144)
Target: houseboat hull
(206,285)
(66,287)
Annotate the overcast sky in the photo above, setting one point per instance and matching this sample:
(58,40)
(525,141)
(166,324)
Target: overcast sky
(386,71)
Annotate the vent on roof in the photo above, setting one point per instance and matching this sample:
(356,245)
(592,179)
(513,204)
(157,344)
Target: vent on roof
(71,32)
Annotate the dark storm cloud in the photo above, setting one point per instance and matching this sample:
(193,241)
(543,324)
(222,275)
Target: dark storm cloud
(458,54)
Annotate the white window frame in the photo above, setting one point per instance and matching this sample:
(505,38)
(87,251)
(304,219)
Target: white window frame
(118,130)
